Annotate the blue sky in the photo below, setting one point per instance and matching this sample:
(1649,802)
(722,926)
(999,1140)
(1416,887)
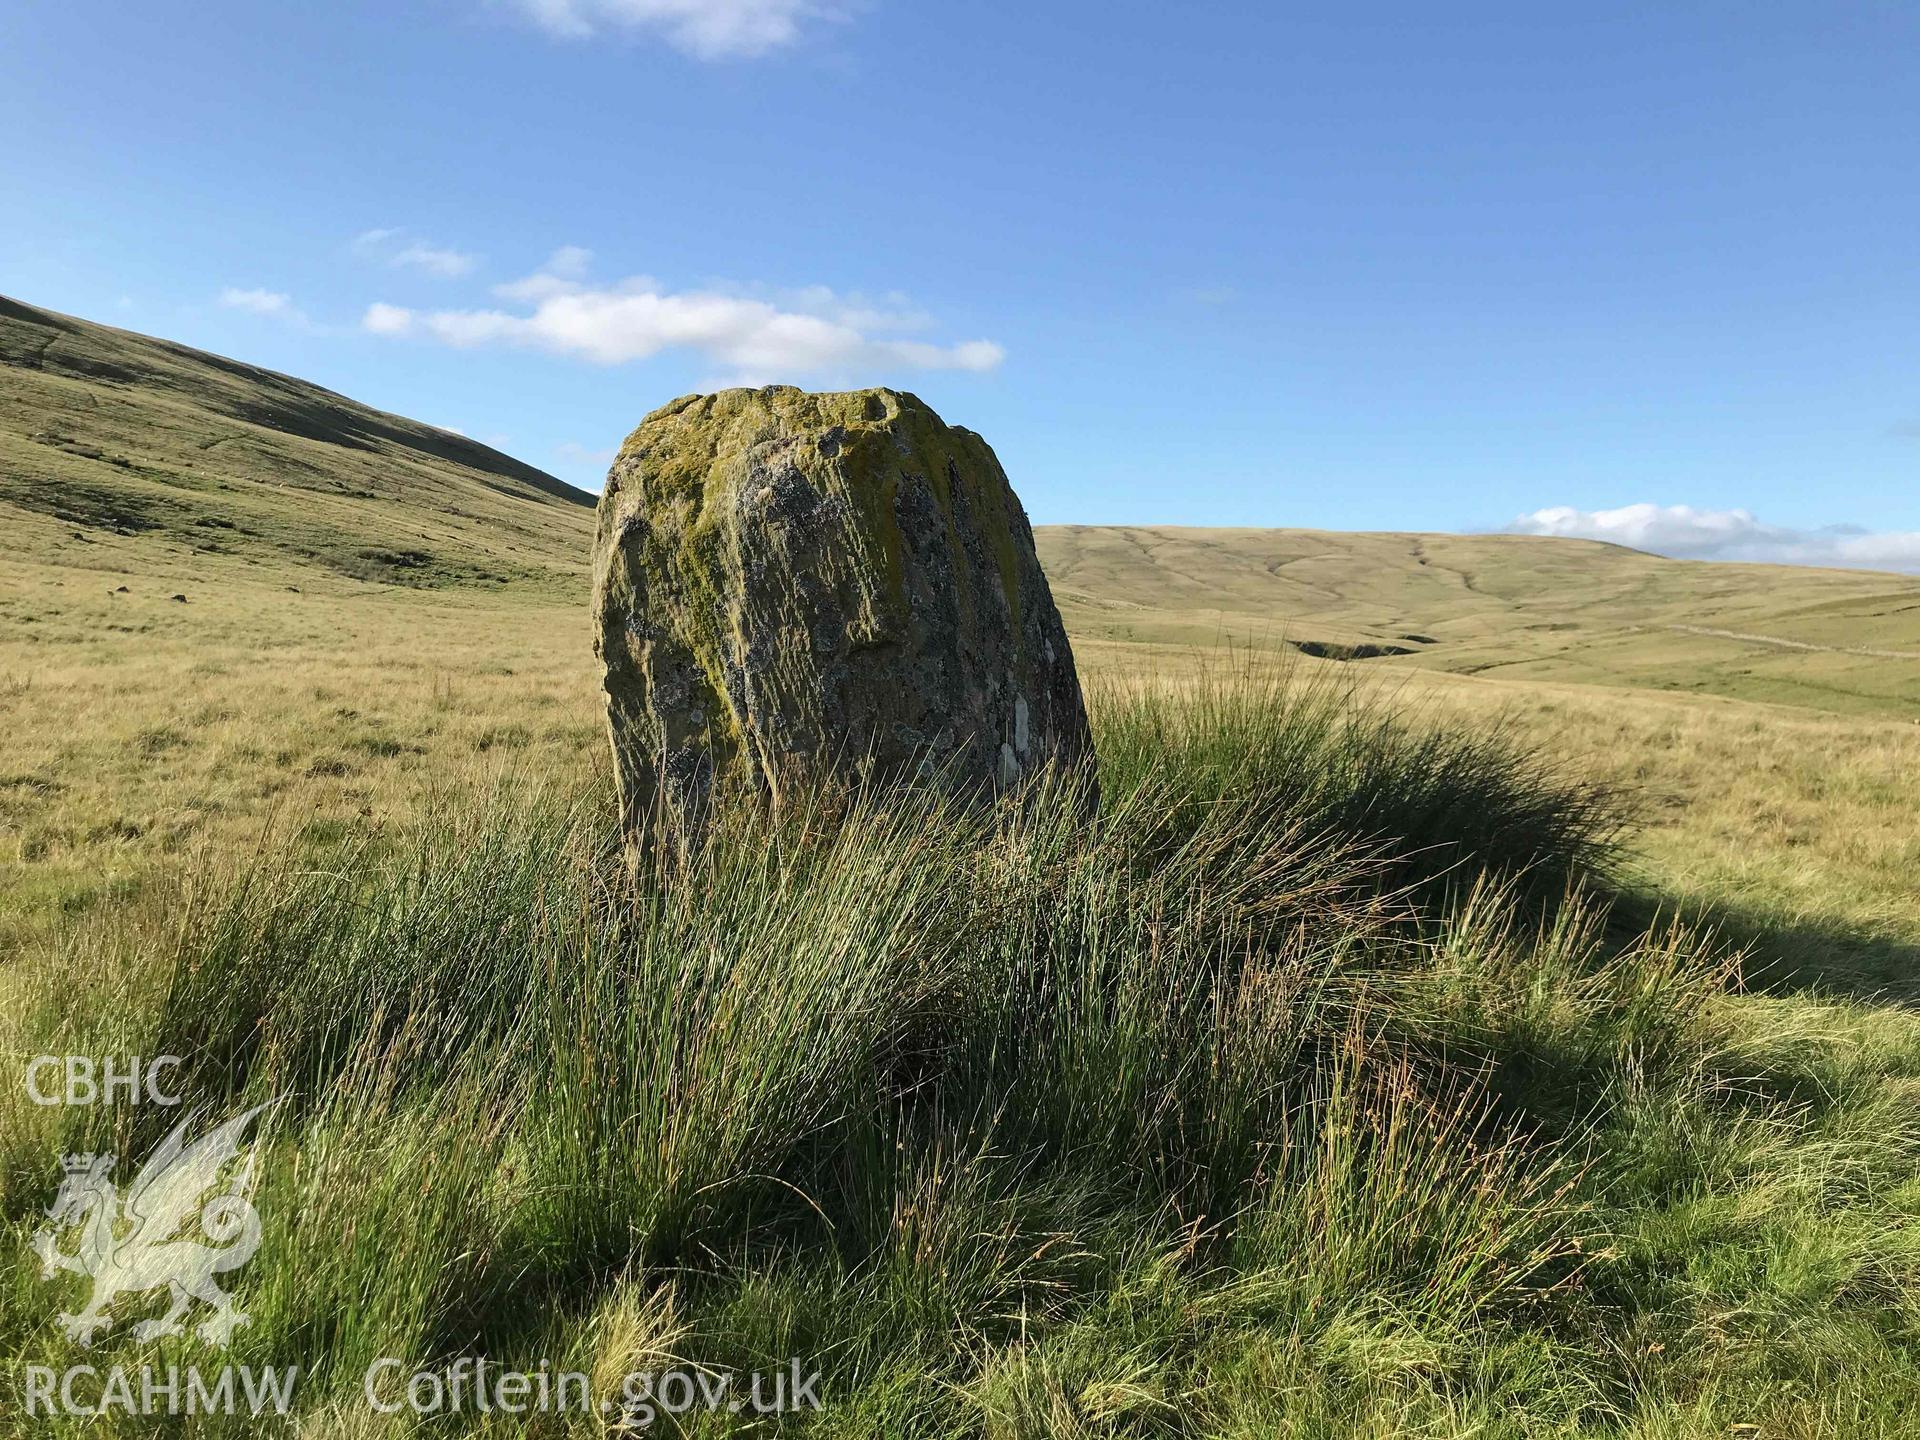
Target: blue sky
(1363,266)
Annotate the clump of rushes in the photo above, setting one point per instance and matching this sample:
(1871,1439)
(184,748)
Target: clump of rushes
(1273,1101)
(1446,804)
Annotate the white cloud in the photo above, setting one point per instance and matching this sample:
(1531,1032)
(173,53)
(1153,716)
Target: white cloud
(271,303)
(705,29)
(810,332)
(1683,531)
(892,311)
(260,302)
(400,248)
(436,259)
(383,319)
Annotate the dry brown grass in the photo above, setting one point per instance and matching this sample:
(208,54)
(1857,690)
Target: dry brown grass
(1505,606)
(143,730)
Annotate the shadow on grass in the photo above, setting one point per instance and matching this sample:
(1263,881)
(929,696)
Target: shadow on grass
(1833,960)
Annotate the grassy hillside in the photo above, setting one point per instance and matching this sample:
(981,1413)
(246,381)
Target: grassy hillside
(311,680)
(1521,607)
(115,437)
(226,594)
(129,456)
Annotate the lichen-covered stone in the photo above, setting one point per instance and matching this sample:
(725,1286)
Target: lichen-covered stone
(791,587)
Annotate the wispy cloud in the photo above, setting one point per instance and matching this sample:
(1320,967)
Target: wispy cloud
(1683,531)
(399,247)
(437,260)
(705,29)
(811,331)
(564,271)
(273,304)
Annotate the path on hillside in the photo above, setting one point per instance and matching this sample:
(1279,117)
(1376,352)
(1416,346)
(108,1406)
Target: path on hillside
(1786,644)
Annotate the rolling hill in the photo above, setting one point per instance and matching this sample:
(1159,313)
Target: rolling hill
(1510,606)
(134,457)
(231,600)
(108,437)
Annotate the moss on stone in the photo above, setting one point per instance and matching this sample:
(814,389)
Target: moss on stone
(696,454)
(820,568)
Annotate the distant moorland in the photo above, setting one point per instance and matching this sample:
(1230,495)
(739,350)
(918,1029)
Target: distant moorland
(373,606)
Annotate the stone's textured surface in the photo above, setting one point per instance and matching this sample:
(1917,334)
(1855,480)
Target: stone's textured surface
(790,586)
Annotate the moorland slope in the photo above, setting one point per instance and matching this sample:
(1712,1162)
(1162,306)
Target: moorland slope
(1518,607)
(115,436)
(129,455)
(377,610)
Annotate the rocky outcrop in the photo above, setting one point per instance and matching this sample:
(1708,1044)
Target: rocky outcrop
(791,587)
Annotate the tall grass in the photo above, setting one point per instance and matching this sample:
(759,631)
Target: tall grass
(1272,1101)
(1447,804)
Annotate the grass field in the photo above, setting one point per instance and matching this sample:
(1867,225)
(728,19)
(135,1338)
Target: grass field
(1203,1124)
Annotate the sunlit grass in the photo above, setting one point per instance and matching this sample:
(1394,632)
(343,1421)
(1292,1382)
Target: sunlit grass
(1220,1115)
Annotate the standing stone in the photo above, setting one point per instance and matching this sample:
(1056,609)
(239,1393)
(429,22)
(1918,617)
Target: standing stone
(791,587)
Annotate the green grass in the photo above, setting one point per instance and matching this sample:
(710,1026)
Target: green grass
(1446,806)
(1209,1119)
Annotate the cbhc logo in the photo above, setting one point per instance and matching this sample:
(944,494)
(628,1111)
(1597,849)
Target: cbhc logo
(83,1080)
